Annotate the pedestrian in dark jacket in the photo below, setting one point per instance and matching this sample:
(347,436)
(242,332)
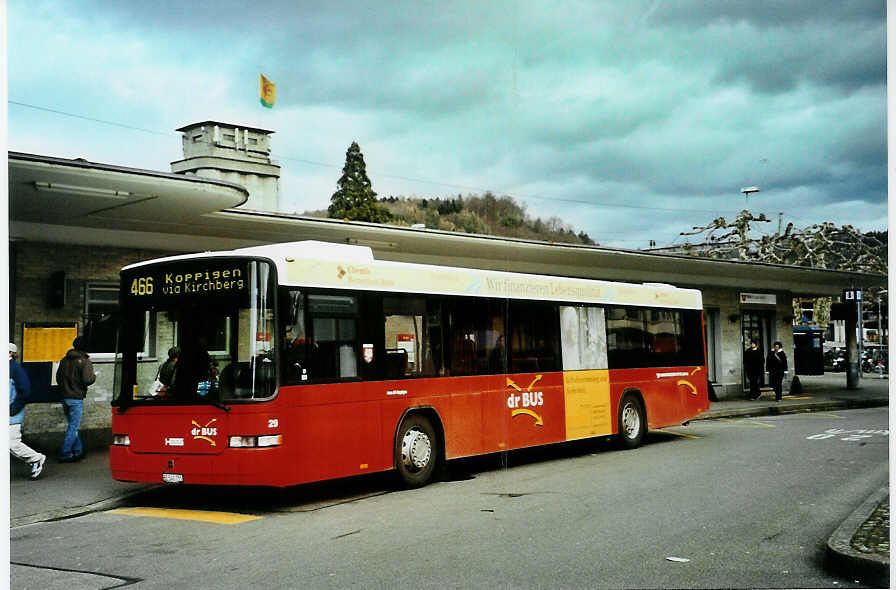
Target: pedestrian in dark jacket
(74,375)
(19,388)
(776,365)
(753,367)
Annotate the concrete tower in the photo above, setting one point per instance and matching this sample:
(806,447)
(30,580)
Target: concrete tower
(241,155)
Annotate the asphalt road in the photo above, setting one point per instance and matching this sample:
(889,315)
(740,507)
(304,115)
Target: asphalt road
(739,503)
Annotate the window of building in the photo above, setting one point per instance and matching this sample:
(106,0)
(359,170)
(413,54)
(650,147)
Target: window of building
(101,311)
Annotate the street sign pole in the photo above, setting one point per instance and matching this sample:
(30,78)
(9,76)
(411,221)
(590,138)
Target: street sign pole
(854,347)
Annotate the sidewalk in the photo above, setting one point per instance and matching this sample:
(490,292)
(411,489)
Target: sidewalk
(860,545)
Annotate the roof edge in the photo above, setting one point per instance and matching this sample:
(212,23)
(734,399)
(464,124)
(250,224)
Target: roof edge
(586,247)
(88,165)
(223,124)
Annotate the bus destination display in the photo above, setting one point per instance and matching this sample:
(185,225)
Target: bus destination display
(177,280)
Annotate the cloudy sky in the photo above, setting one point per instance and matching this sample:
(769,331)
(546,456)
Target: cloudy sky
(631,121)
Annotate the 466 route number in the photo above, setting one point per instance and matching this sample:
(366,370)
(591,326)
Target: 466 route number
(142,286)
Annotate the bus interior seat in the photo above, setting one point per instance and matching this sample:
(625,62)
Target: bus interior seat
(396,363)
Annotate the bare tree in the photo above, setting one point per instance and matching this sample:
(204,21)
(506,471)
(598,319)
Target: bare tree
(822,245)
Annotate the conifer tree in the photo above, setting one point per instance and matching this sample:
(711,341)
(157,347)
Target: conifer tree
(354,198)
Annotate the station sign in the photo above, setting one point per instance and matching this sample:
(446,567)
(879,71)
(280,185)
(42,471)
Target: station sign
(758,298)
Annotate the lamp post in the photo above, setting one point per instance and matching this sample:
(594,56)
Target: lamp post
(748,190)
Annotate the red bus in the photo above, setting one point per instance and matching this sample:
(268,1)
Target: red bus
(308,361)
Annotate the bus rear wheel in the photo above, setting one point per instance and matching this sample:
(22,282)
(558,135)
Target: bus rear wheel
(416,451)
(632,421)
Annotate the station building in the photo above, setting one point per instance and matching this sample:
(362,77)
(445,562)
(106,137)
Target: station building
(73,224)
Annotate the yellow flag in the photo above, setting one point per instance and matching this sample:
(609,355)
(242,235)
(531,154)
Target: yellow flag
(268,92)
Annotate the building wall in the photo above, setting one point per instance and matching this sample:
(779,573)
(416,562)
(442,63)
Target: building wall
(34,264)
(728,373)
(264,190)
(729,377)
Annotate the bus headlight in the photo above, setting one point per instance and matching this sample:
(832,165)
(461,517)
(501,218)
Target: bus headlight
(252,442)
(121,440)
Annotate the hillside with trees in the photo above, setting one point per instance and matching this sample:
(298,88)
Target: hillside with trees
(487,214)
(482,214)
(472,214)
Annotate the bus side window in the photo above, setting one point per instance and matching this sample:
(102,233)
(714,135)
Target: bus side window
(534,337)
(413,333)
(583,337)
(333,344)
(627,337)
(475,330)
(663,328)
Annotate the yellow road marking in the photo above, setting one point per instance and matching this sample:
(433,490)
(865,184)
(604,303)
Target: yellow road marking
(748,422)
(199,515)
(681,434)
(762,423)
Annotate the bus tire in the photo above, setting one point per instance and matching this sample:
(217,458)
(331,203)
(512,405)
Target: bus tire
(416,451)
(632,421)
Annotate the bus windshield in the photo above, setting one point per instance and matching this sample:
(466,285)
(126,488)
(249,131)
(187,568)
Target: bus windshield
(197,331)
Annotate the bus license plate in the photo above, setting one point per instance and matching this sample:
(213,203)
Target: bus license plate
(172,478)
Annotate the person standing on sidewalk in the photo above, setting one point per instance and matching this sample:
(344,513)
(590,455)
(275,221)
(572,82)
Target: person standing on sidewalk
(753,367)
(74,375)
(19,388)
(776,365)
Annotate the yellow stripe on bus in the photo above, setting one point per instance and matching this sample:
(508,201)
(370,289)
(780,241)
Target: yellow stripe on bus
(197,515)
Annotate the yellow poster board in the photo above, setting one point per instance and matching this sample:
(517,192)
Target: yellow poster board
(587,403)
(47,343)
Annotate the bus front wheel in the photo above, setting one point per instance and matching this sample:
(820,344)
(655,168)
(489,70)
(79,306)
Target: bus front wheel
(416,451)
(632,421)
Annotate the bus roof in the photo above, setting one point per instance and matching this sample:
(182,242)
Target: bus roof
(343,266)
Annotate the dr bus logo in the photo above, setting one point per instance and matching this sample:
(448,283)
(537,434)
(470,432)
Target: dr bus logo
(204,432)
(527,399)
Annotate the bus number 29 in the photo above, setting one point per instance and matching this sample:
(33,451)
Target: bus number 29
(142,286)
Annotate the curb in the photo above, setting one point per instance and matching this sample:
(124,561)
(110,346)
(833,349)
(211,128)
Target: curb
(74,511)
(786,408)
(843,558)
